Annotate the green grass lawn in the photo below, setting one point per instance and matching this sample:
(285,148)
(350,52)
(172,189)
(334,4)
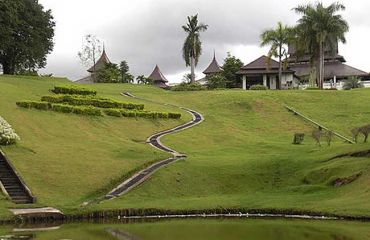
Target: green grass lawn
(241,156)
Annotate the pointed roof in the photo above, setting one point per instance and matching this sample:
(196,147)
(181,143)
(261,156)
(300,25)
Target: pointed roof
(262,65)
(157,75)
(101,62)
(213,67)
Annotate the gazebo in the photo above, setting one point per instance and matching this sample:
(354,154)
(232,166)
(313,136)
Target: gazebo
(158,78)
(213,68)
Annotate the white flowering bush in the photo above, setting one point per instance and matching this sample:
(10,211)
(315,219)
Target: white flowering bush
(7,134)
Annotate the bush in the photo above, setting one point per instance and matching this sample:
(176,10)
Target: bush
(34,104)
(73,90)
(188,87)
(129,114)
(93,101)
(113,112)
(258,87)
(92,111)
(62,108)
(216,81)
(353,82)
(174,115)
(7,134)
(312,88)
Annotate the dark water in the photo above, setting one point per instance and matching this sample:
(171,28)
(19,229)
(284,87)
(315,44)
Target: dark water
(215,229)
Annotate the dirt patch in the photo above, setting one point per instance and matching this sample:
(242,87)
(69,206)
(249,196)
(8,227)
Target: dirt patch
(365,153)
(347,180)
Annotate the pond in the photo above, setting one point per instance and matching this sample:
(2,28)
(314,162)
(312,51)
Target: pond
(194,229)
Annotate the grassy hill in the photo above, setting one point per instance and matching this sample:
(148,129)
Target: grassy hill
(241,156)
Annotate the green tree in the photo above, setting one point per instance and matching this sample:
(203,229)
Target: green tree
(141,79)
(109,74)
(26,35)
(278,39)
(126,77)
(320,28)
(216,81)
(192,48)
(229,69)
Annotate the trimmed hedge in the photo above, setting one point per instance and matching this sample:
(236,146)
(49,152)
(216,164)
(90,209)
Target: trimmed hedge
(113,112)
(150,114)
(88,110)
(93,101)
(258,87)
(34,104)
(73,90)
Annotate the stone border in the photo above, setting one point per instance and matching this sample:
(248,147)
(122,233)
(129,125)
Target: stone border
(155,142)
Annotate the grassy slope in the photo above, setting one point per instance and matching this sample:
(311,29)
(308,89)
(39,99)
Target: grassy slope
(242,155)
(68,159)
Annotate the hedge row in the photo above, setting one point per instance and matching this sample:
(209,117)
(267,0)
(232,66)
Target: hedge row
(82,110)
(93,101)
(94,111)
(73,90)
(142,114)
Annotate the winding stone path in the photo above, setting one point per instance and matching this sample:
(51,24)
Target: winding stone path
(155,142)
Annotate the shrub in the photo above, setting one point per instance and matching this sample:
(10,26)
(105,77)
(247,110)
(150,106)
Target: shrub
(174,115)
(258,87)
(73,90)
(7,134)
(188,87)
(62,108)
(93,101)
(352,82)
(216,81)
(126,113)
(89,110)
(34,104)
(113,112)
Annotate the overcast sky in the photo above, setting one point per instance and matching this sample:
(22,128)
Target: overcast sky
(148,32)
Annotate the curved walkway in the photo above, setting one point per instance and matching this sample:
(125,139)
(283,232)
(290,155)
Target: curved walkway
(155,142)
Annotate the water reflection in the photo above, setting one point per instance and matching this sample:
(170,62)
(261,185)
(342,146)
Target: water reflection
(202,229)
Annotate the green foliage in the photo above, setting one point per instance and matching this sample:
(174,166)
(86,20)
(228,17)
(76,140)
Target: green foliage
(192,48)
(141,79)
(34,104)
(73,90)
(83,110)
(258,87)
(125,76)
(89,100)
(7,134)
(26,35)
(216,81)
(353,82)
(278,40)
(188,87)
(229,69)
(110,73)
(312,88)
(62,108)
(113,112)
(149,114)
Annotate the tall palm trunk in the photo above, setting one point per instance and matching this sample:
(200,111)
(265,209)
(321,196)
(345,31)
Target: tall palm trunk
(278,82)
(192,65)
(321,66)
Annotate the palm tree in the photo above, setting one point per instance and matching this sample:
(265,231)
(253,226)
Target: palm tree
(353,82)
(278,39)
(319,29)
(192,48)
